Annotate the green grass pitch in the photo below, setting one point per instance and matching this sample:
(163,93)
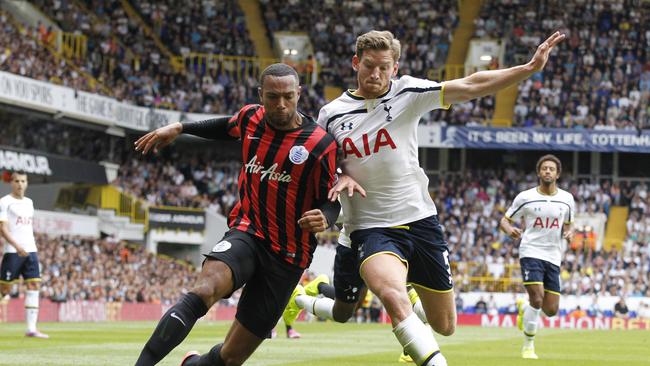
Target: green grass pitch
(323,344)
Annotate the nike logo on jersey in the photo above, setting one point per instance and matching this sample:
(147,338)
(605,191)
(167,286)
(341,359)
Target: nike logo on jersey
(173,315)
(252,137)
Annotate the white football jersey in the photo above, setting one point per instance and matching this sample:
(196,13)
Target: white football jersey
(19,216)
(544,216)
(378,148)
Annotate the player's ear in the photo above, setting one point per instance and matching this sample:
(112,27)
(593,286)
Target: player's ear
(395,67)
(355,63)
(259,92)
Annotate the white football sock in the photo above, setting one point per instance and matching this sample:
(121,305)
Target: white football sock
(322,307)
(418,341)
(531,316)
(419,310)
(31,309)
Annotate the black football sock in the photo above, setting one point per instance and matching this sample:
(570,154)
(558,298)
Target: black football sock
(173,327)
(212,358)
(326,290)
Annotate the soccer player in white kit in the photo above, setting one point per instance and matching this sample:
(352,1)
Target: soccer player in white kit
(395,229)
(548,213)
(20,258)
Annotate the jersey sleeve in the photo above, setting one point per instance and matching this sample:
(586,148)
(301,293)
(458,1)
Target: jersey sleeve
(4,210)
(322,119)
(424,95)
(239,121)
(326,173)
(515,211)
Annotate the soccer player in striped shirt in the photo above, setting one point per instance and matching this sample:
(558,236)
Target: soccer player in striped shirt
(548,213)
(288,169)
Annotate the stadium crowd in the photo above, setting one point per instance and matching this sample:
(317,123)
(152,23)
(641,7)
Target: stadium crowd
(76,268)
(197,26)
(598,78)
(188,180)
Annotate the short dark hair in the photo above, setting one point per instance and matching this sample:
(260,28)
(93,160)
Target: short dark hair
(18,172)
(278,70)
(549,157)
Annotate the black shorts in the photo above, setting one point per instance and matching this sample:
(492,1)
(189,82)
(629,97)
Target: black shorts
(347,280)
(269,280)
(540,272)
(13,266)
(420,245)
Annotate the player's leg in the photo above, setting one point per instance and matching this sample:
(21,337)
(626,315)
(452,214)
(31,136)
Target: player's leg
(384,269)
(260,306)
(440,309)
(430,275)
(551,302)
(223,272)
(340,300)
(533,272)
(32,276)
(8,272)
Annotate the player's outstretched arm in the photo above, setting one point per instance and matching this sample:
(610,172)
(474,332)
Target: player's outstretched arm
(214,129)
(484,83)
(158,138)
(509,229)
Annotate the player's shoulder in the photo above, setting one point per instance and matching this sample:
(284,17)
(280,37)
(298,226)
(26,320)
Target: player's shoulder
(249,109)
(409,83)
(325,140)
(7,199)
(564,195)
(528,194)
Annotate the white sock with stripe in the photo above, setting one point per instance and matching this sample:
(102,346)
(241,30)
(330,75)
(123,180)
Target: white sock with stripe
(531,317)
(322,307)
(31,309)
(418,342)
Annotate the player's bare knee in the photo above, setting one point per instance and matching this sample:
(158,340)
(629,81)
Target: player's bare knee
(550,310)
(213,284)
(536,300)
(395,301)
(447,329)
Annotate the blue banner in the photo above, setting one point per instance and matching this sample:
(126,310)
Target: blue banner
(535,139)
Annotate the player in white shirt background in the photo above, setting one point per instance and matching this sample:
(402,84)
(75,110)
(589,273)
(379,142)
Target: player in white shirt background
(20,255)
(395,228)
(547,212)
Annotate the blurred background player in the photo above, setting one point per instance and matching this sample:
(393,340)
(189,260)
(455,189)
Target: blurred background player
(547,212)
(20,258)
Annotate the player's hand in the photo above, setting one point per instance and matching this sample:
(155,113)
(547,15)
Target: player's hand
(568,235)
(313,221)
(159,138)
(515,233)
(544,50)
(344,183)
(21,252)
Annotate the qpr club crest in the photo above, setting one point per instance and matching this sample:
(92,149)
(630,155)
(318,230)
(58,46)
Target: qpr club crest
(221,246)
(298,154)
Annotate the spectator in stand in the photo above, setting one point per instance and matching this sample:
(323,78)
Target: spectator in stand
(481,306)
(621,310)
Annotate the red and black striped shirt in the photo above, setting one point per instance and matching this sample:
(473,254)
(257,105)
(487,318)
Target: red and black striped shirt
(284,174)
